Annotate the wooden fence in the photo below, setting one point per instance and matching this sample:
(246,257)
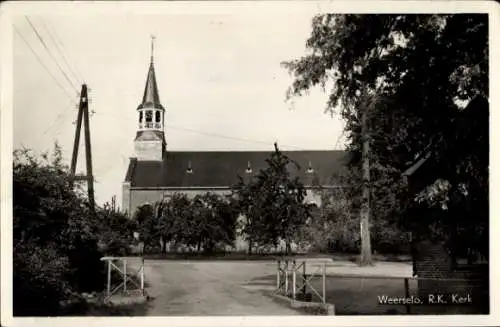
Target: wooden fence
(127,274)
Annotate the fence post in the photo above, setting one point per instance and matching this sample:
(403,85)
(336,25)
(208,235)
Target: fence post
(324,283)
(109,277)
(407,295)
(286,277)
(142,276)
(293,278)
(124,275)
(278,274)
(304,285)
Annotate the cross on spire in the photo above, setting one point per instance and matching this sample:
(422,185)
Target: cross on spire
(152,47)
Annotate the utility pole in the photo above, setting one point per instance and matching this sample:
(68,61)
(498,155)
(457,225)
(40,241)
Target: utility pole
(83,114)
(366,249)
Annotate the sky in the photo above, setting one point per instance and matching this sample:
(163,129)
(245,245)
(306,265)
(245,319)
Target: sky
(219,78)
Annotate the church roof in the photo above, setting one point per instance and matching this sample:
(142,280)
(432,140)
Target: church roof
(151,98)
(221,168)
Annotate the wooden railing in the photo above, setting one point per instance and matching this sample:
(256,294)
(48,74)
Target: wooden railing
(301,279)
(120,264)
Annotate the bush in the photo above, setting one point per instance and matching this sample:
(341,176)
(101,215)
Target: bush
(56,239)
(39,281)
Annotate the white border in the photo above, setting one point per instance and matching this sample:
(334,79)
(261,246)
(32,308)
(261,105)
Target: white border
(9,9)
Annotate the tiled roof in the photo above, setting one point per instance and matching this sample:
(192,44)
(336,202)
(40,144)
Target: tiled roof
(221,169)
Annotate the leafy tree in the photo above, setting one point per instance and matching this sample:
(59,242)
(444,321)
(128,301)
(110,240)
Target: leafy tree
(410,75)
(274,202)
(148,226)
(176,219)
(116,231)
(246,194)
(207,221)
(56,255)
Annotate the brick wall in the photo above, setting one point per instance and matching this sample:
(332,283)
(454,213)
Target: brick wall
(433,261)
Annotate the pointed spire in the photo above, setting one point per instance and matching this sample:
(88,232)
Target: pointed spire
(151,98)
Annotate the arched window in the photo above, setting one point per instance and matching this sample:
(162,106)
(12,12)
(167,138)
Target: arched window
(140,116)
(158,117)
(149,116)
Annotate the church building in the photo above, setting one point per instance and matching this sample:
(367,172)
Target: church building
(155,173)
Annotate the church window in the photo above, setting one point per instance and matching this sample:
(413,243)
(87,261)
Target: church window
(140,117)
(157,116)
(149,116)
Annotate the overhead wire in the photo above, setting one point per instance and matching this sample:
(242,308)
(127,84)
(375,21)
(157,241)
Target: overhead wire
(62,52)
(214,134)
(62,113)
(51,55)
(58,118)
(43,65)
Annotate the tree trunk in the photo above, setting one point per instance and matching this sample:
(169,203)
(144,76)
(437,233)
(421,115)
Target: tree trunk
(249,247)
(366,251)
(162,245)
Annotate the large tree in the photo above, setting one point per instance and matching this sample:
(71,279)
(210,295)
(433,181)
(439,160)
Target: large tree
(409,75)
(274,202)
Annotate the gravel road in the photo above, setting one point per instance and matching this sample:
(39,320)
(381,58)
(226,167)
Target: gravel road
(183,288)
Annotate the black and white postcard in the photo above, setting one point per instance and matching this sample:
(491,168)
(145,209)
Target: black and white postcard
(248,163)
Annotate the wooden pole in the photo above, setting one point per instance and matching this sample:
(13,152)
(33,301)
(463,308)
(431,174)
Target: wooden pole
(109,277)
(83,113)
(124,275)
(142,276)
(304,276)
(294,281)
(278,275)
(88,149)
(324,283)
(286,277)
(76,144)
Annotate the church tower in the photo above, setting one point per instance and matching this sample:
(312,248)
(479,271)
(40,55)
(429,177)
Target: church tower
(150,142)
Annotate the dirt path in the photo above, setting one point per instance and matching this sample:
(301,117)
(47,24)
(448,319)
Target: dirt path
(208,288)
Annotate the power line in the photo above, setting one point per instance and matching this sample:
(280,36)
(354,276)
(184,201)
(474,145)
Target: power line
(58,118)
(44,66)
(215,134)
(62,51)
(230,137)
(51,55)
